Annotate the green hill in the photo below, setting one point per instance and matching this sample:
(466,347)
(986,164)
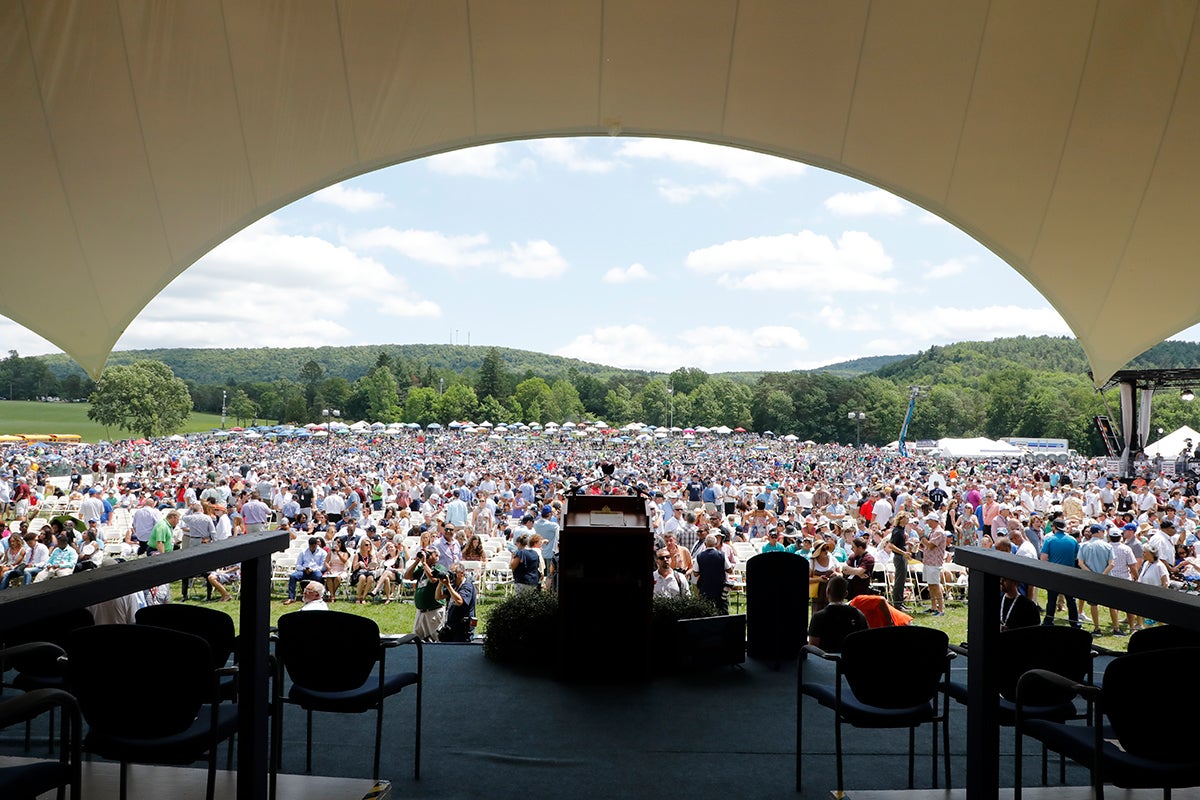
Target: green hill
(265,364)
(966,362)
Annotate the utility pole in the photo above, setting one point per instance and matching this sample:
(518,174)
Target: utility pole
(222,408)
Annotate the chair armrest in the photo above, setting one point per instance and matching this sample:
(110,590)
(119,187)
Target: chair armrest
(1054,679)
(951,654)
(30,705)
(46,649)
(812,649)
(959,649)
(397,641)
(223,671)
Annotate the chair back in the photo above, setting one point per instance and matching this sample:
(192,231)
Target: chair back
(1162,637)
(214,627)
(172,670)
(1130,700)
(1063,650)
(55,629)
(331,651)
(897,667)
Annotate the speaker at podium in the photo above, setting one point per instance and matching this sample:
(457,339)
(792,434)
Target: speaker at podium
(605,588)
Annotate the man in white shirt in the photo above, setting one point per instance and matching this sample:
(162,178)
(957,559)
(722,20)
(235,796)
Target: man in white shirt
(881,512)
(92,507)
(668,582)
(142,523)
(314,597)
(334,506)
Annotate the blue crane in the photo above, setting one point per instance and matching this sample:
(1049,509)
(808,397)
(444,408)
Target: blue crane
(915,392)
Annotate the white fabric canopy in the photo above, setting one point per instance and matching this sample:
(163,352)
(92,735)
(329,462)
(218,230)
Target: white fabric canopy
(1172,444)
(977,447)
(135,135)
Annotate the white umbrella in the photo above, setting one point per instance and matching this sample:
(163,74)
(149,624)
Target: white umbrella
(253,435)
(600,423)
(791,437)
(702,429)
(568,424)
(485,424)
(412,426)
(434,426)
(724,430)
(660,435)
(550,425)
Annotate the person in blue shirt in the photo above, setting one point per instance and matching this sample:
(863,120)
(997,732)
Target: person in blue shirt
(1062,549)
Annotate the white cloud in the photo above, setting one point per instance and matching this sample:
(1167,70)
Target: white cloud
(741,166)
(568,153)
(268,288)
(804,260)
(632,273)
(351,199)
(947,324)
(710,348)
(946,269)
(679,195)
(836,319)
(536,258)
(14,336)
(428,247)
(484,161)
(875,202)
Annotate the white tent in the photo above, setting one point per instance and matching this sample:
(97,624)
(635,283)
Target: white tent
(978,447)
(137,136)
(1170,445)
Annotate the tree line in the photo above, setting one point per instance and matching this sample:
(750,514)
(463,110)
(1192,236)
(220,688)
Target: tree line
(1023,386)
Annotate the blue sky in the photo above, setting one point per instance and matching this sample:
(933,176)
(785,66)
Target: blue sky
(639,253)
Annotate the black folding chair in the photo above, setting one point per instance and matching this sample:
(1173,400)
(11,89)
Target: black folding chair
(1064,650)
(22,781)
(1127,745)
(918,663)
(177,719)
(338,678)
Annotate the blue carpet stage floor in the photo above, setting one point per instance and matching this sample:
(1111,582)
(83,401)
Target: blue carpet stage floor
(491,731)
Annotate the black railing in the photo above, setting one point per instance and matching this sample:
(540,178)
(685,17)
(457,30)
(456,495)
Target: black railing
(20,606)
(983,625)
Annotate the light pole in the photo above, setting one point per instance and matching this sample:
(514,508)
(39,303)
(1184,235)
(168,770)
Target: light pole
(858,418)
(222,408)
(441,386)
(671,403)
(330,414)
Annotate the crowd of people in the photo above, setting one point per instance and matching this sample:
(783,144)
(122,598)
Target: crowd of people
(376,512)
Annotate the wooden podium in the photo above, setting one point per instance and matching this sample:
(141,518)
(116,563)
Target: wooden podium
(605,584)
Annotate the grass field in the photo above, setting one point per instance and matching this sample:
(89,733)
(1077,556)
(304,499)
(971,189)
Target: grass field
(20,416)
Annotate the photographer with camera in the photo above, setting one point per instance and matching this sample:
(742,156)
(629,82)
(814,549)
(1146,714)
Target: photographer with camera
(458,588)
(425,570)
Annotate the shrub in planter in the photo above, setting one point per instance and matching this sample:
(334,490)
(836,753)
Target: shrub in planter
(522,629)
(668,610)
(665,613)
